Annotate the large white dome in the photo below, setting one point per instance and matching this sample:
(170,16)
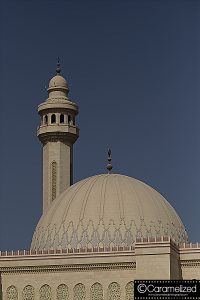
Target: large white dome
(106,210)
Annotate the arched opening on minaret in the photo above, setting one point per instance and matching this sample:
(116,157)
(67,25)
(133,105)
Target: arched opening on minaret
(62,119)
(69,120)
(46,119)
(53,118)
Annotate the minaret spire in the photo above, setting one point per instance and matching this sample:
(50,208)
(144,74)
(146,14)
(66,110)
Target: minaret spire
(58,69)
(109,165)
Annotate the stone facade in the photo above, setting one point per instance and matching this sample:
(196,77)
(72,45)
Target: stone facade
(96,273)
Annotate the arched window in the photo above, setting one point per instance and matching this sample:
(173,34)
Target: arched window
(28,293)
(130,290)
(69,119)
(62,119)
(62,292)
(45,292)
(12,293)
(53,118)
(96,292)
(114,291)
(79,292)
(46,119)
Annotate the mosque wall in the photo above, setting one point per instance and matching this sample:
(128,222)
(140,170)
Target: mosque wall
(55,274)
(190,261)
(42,286)
(158,260)
(49,274)
(190,270)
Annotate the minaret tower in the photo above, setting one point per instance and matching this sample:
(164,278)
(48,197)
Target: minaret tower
(57,132)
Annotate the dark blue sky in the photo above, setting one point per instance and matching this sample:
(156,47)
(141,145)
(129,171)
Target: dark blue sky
(133,68)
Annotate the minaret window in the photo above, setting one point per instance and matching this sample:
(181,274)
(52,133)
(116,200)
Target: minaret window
(54,179)
(70,121)
(46,119)
(61,118)
(53,119)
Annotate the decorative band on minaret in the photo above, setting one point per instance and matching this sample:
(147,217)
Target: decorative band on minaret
(57,133)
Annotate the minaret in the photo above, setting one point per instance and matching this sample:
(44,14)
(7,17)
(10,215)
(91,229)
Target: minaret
(57,132)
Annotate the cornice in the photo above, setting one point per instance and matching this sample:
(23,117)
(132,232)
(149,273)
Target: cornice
(56,136)
(192,263)
(69,268)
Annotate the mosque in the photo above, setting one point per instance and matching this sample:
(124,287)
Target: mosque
(95,237)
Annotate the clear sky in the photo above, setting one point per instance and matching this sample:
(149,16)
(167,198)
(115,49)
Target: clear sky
(133,68)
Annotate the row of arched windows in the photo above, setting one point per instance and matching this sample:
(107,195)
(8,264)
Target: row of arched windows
(58,119)
(79,292)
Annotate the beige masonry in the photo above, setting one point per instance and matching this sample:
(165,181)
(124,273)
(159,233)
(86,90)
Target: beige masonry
(97,236)
(149,259)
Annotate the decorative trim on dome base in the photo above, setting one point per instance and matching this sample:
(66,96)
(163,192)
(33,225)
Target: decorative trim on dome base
(110,235)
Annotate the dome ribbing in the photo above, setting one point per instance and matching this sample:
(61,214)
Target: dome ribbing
(106,210)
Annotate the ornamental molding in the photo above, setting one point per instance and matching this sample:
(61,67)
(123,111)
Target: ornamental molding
(193,263)
(89,234)
(69,268)
(59,99)
(57,136)
(69,252)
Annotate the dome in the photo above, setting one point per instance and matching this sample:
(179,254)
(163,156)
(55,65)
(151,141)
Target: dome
(58,82)
(106,210)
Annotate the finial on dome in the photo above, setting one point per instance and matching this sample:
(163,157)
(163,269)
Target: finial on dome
(109,165)
(58,69)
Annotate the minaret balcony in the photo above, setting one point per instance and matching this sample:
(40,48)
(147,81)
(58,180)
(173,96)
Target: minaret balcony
(57,128)
(57,132)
